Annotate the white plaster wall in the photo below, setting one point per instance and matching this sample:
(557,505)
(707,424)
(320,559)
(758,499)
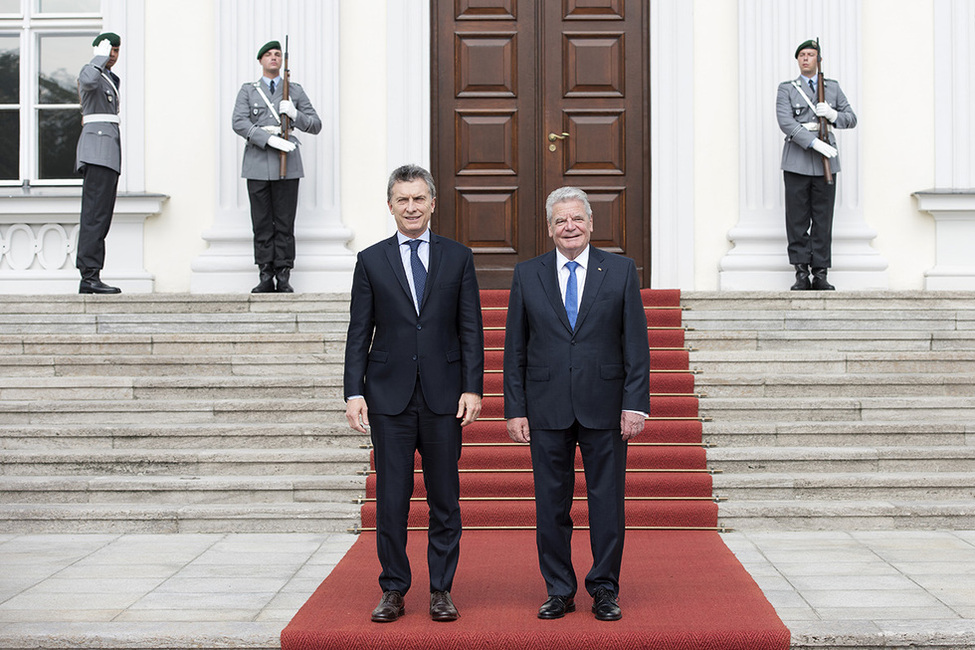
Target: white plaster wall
(180,147)
(716,137)
(897,130)
(363,117)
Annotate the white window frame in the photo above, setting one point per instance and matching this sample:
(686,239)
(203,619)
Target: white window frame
(30,25)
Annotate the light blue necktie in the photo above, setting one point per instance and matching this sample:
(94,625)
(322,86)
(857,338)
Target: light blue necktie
(572,294)
(419,271)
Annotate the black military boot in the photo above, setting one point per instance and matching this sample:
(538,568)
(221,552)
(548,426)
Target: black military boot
(91,283)
(266,285)
(819,282)
(283,278)
(802,278)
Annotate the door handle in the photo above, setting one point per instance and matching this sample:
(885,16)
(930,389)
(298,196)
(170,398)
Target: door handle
(552,137)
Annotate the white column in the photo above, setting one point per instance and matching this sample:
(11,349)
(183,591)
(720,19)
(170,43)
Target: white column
(323,262)
(672,144)
(768,33)
(952,202)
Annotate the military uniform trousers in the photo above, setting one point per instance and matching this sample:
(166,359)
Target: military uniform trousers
(273,208)
(809,218)
(97,204)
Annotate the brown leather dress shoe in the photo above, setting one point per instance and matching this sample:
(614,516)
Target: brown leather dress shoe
(442,607)
(556,607)
(390,608)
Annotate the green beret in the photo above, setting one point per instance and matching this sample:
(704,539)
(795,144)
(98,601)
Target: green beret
(807,45)
(270,45)
(113,38)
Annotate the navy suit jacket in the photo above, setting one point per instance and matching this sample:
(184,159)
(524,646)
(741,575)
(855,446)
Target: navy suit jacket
(553,375)
(389,345)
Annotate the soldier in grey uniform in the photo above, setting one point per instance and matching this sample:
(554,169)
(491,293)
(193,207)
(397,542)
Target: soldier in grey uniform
(99,159)
(274,200)
(809,198)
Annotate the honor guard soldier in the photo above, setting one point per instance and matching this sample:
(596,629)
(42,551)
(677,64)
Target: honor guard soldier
(809,158)
(98,159)
(261,116)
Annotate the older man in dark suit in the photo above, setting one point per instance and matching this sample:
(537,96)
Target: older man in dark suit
(414,374)
(576,371)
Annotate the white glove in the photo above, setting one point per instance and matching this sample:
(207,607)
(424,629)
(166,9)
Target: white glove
(823,148)
(104,48)
(273,129)
(811,126)
(287,146)
(825,110)
(288,108)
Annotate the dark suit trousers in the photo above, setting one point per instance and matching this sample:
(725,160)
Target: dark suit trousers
(98,192)
(553,467)
(395,438)
(809,219)
(273,208)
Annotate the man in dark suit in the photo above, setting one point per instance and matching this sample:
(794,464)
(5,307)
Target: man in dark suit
(415,356)
(99,159)
(576,371)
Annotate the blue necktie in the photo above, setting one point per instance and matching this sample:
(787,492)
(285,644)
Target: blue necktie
(572,294)
(419,271)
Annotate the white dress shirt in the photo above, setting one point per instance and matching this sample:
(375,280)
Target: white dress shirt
(563,273)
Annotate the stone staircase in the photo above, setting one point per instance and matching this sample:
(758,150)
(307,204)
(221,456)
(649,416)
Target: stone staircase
(175,413)
(845,410)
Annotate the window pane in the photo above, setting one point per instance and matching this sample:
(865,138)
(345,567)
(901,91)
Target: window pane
(9,69)
(9,145)
(69,6)
(61,58)
(9,6)
(58,132)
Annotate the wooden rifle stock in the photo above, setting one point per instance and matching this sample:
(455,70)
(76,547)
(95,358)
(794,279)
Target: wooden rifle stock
(285,120)
(823,122)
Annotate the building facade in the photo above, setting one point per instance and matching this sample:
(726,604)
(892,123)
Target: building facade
(905,211)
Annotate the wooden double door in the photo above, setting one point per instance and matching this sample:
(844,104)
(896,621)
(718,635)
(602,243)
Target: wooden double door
(529,96)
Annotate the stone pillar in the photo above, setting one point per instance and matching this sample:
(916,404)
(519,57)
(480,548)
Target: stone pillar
(323,262)
(768,33)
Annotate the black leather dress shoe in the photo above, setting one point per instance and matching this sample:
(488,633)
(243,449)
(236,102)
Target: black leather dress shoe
(802,278)
(556,607)
(96,286)
(819,282)
(604,605)
(442,607)
(390,608)
(282,277)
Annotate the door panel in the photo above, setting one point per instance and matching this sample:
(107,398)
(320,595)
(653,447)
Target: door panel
(529,96)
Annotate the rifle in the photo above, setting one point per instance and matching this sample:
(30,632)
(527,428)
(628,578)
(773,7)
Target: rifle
(285,120)
(821,97)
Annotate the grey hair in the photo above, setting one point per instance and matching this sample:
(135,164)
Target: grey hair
(564,194)
(406,174)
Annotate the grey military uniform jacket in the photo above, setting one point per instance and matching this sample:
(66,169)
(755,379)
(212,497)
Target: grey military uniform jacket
(251,112)
(792,111)
(100,142)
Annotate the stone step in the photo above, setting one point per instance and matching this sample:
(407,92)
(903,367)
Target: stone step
(28,365)
(176,303)
(173,344)
(861,341)
(158,435)
(880,514)
(126,323)
(296,411)
(206,518)
(196,462)
(924,486)
(180,490)
(169,388)
(870,300)
(852,319)
(831,362)
(772,433)
(866,409)
(802,460)
(826,386)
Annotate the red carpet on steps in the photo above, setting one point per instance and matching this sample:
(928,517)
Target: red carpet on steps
(680,586)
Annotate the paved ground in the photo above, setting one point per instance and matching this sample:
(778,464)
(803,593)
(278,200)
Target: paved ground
(832,589)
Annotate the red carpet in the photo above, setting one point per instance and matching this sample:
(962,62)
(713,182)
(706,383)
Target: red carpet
(680,585)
